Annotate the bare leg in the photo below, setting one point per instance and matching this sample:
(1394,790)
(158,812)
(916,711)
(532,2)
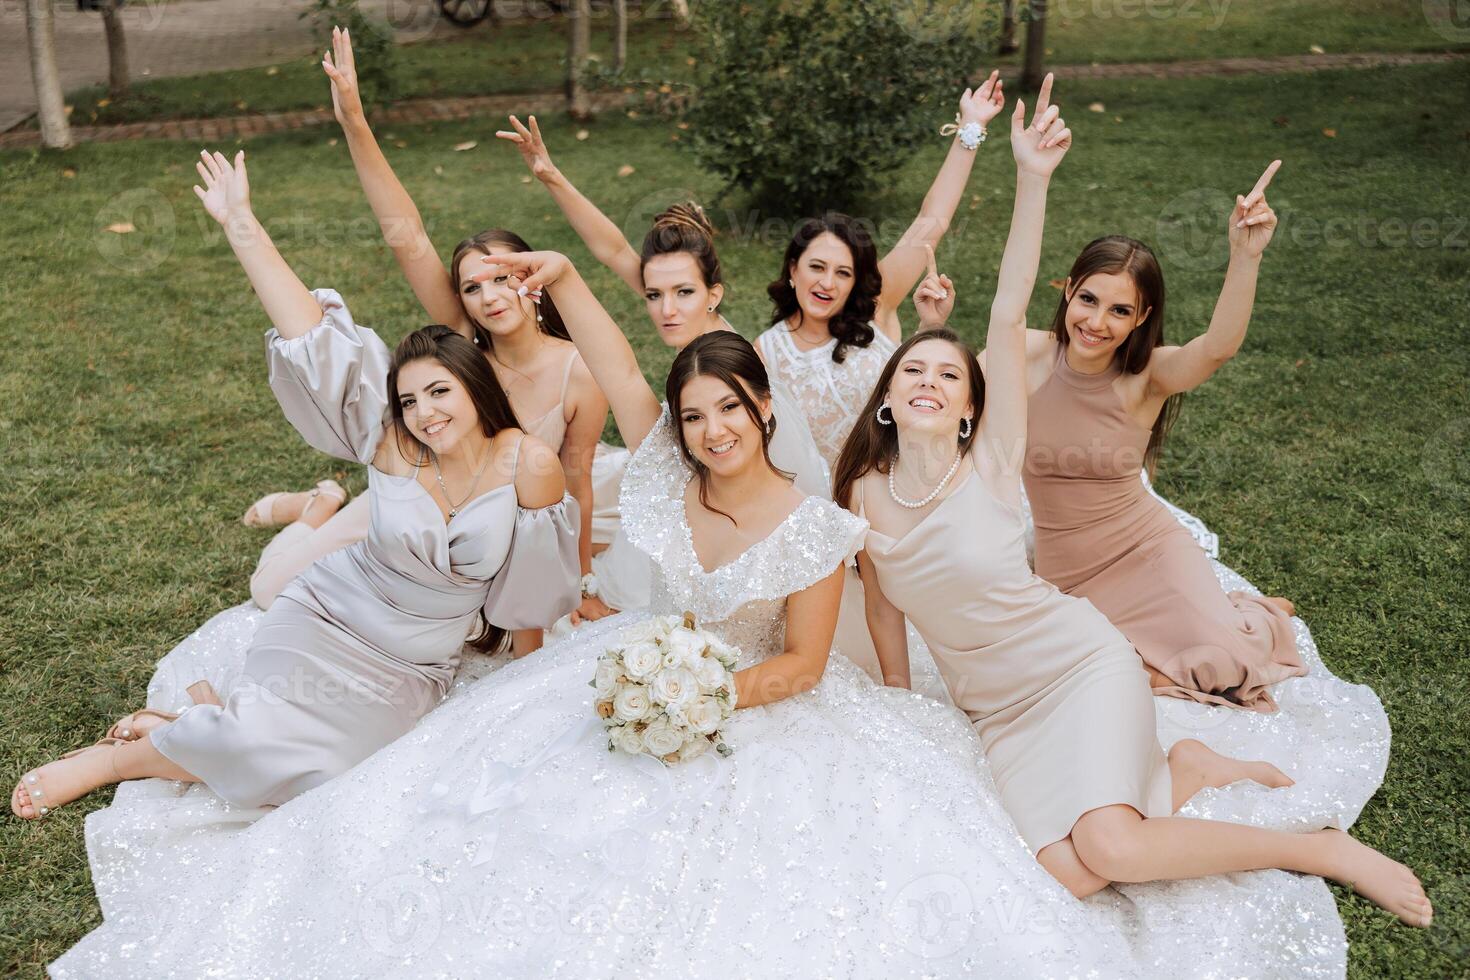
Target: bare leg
(292,551)
(66,780)
(1285,605)
(1194,765)
(1062,863)
(1115,842)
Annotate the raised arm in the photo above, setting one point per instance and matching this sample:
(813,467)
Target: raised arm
(903,266)
(1175,369)
(603,239)
(605,350)
(1037,148)
(226,196)
(811,620)
(398,217)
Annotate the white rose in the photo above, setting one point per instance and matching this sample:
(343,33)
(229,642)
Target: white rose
(631,703)
(704,715)
(641,660)
(675,687)
(627,738)
(693,749)
(686,645)
(606,678)
(661,738)
(710,674)
(644,631)
(724,653)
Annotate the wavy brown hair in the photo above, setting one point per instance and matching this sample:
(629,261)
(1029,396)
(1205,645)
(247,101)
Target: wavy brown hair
(872,446)
(728,357)
(684,228)
(853,324)
(550,323)
(462,359)
(1121,255)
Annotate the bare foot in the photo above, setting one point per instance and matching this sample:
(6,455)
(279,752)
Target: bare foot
(1380,879)
(42,790)
(1285,605)
(1193,765)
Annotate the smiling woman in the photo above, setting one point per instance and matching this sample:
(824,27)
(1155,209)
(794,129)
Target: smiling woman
(367,640)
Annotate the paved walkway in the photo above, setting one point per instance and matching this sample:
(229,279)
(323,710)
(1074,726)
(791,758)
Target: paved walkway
(230,128)
(167,38)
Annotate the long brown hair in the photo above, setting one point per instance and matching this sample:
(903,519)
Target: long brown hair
(684,228)
(550,323)
(1115,255)
(727,357)
(853,324)
(873,446)
(463,360)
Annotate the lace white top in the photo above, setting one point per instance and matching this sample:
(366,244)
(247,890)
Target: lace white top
(829,394)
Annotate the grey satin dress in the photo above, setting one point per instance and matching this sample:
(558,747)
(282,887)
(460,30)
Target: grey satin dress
(368,638)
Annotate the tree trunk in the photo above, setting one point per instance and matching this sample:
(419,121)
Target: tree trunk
(579,45)
(1035,69)
(41,31)
(620,42)
(117,50)
(1007,43)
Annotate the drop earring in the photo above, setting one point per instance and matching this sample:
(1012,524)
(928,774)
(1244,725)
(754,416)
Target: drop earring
(966,427)
(879,414)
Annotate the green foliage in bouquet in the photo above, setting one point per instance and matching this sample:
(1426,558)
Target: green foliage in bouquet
(372,44)
(807,104)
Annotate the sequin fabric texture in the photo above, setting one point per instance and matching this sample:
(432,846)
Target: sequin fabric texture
(855,832)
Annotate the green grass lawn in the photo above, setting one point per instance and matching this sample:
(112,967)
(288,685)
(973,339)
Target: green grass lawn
(528,55)
(1330,455)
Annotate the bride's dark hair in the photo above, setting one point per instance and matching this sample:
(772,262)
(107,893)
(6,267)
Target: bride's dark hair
(873,446)
(853,324)
(462,359)
(729,358)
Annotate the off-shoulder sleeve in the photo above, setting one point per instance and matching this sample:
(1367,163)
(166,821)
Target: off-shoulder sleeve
(541,580)
(651,499)
(332,381)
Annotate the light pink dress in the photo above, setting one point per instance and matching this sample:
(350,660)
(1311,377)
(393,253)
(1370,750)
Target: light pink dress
(1100,535)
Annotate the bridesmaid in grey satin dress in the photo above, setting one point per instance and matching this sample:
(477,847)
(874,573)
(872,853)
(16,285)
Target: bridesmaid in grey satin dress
(470,522)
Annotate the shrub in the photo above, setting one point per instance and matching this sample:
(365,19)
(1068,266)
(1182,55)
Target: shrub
(807,103)
(372,46)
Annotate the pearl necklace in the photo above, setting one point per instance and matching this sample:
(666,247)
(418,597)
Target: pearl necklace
(916,504)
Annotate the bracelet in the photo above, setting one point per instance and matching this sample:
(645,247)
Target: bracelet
(589,587)
(971,134)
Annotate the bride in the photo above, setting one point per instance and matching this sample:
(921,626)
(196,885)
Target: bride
(855,829)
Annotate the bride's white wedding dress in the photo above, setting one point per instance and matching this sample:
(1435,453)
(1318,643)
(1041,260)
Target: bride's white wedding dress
(855,831)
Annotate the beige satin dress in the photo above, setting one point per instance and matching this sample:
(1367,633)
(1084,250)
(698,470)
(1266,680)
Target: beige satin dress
(1102,536)
(1057,695)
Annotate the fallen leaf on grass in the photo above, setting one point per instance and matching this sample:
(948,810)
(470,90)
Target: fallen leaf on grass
(401,144)
(438,171)
(1281,122)
(273,70)
(1330,133)
(1056,283)
(103,103)
(466,145)
(121,228)
(332,141)
(1097,107)
(525,180)
(68,172)
(1317,49)
(582,134)
(626,170)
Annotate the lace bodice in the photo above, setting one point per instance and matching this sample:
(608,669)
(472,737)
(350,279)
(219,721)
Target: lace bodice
(829,394)
(743,600)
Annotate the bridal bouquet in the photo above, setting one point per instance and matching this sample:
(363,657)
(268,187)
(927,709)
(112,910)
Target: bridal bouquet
(665,689)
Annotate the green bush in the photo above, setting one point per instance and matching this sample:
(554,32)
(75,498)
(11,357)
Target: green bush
(372,46)
(808,103)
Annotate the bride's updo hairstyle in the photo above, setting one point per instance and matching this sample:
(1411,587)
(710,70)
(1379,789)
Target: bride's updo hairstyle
(729,358)
(852,325)
(873,446)
(551,322)
(684,228)
(462,359)
(1121,255)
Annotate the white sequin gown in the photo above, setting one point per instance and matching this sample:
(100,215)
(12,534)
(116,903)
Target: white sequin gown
(856,831)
